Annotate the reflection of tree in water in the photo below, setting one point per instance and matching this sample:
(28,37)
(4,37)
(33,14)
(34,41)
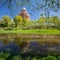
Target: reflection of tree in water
(6,41)
(23,43)
(18,41)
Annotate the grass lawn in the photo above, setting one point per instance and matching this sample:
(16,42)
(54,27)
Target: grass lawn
(37,31)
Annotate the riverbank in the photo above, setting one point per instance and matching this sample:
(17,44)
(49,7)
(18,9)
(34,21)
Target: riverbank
(37,31)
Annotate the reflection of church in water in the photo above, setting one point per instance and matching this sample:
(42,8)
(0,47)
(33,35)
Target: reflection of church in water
(24,14)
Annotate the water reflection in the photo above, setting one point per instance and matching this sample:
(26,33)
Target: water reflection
(45,44)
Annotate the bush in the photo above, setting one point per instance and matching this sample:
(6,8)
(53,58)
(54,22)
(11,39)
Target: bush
(49,58)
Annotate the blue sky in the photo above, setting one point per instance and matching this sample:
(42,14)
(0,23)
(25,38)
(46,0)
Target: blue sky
(34,14)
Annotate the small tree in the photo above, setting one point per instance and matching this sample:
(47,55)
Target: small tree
(18,20)
(6,20)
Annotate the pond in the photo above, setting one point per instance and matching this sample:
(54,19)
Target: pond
(28,45)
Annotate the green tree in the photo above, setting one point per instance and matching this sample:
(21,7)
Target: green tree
(55,22)
(49,23)
(11,25)
(42,22)
(6,20)
(26,24)
(18,20)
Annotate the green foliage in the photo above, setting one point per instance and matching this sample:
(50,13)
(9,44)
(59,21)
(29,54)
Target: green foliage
(22,24)
(42,22)
(5,21)
(49,23)
(16,58)
(18,20)
(3,56)
(6,56)
(11,26)
(34,59)
(49,58)
(58,58)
